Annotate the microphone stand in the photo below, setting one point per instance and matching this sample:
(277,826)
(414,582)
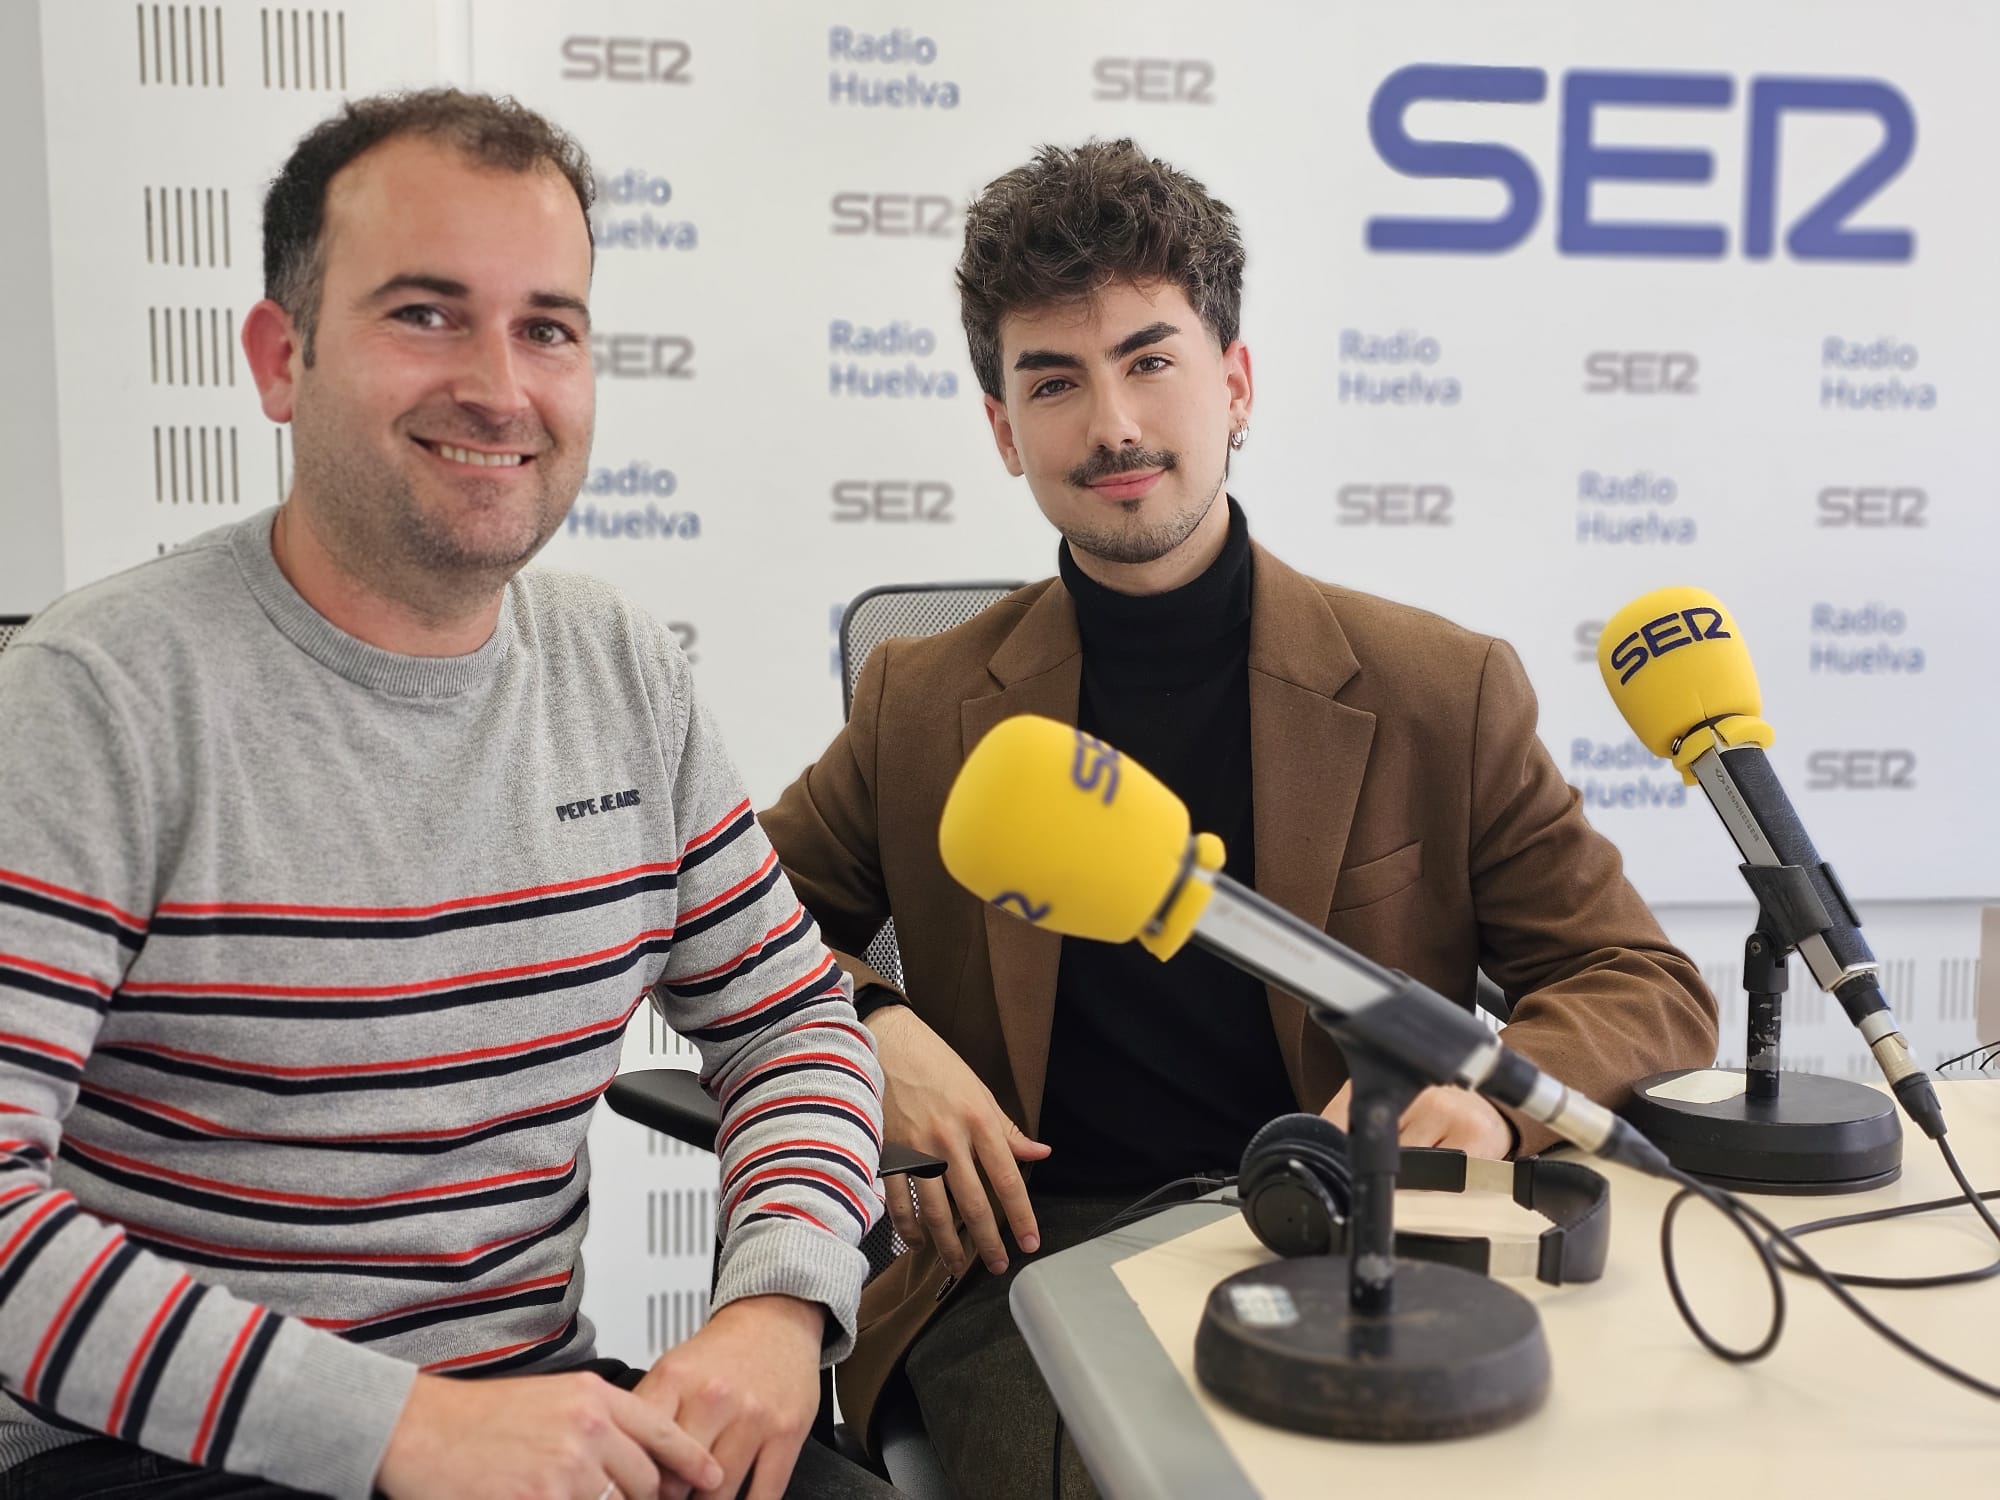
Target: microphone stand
(1365,1344)
(1805,1133)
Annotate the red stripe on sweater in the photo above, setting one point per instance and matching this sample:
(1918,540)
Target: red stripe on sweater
(831,1059)
(401,1065)
(770,861)
(199,1454)
(866,1171)
(228,1132)
(797,1213)
(63,976)
(797,916)
(750,1115)
(313,1200)
(713,832)
(15,1195)
(845,1028)
(818,973)
(55,1201)
(116,1419)
(395,991)
(280,1257)
(75,898)
(771,1174)
(501,1353)
(435,908)
(484,1294)
(47,1049)
(61,1319)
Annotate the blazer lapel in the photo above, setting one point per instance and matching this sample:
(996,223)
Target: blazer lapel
(1039,670)
(1307,755)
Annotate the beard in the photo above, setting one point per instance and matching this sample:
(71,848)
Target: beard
(478,533)
(1133,539)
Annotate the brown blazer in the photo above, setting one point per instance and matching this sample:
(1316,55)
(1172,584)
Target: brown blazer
(1401,800)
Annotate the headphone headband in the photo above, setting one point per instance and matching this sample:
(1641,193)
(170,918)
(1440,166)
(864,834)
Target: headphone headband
(1297,1189)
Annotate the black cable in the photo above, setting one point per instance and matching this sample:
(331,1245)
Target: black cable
(1903,1211)
(1146,1207)
(1991,1049)
(1749,1220)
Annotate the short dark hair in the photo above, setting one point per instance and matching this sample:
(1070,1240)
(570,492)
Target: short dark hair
(1073,221)
(495,132)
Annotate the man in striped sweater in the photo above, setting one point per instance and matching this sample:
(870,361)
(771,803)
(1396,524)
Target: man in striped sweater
(335,853)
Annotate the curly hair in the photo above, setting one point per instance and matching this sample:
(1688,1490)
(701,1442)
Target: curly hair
(495,132)
(1073,221)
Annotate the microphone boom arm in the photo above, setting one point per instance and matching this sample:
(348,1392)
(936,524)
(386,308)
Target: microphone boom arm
(1397,1016)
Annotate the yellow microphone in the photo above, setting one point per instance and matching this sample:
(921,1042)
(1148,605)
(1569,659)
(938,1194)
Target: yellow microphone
(1057,827)
(1676,666)
(1675,663)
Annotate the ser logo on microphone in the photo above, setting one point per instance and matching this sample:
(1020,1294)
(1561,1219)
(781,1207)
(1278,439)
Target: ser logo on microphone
(1664,633)
(1021,906)
(1096,764)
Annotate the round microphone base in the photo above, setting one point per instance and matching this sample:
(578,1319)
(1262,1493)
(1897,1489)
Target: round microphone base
(1820,1135)
(1455,1355)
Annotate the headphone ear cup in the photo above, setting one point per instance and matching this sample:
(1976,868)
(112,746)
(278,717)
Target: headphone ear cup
(1296,1184)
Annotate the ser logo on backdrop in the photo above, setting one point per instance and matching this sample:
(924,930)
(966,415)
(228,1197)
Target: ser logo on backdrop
(1410,504)
(894,215)
(1873,505)
(626,59)
(1153,80)
(1823,231)
(1861,770)
(642,356)
(1640,372)
(892,500)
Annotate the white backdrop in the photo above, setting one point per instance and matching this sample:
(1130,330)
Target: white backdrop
(1521,437)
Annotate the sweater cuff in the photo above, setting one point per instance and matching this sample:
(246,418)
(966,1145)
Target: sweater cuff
(321,1412)
(790,1259)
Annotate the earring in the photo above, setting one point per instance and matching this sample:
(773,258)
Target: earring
(1236,438)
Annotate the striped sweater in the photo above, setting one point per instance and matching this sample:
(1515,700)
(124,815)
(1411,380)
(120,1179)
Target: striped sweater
(313,962)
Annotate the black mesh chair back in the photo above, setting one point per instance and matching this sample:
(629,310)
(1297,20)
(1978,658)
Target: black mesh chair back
(10,626)
(889,613)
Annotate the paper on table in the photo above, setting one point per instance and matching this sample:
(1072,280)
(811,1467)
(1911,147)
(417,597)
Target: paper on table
(1703,1086)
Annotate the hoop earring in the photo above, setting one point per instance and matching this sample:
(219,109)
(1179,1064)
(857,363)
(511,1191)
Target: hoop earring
(1236,438)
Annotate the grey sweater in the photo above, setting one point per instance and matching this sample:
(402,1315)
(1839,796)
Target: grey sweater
(313,962)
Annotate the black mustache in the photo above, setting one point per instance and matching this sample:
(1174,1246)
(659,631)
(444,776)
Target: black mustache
(1104,463)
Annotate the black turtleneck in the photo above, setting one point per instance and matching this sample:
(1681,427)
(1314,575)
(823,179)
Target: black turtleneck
(1160,1070)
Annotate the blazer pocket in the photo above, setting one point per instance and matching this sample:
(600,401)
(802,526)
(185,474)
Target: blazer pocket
(1360,885)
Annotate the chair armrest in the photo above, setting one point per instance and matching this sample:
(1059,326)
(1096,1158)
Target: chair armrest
(669,1100)
(673,1102)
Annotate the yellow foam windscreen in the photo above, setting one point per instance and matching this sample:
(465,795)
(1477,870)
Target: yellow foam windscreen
(1057,827)
(1676,666)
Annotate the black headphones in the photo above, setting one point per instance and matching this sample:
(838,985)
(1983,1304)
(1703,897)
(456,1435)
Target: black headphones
(1297,1185)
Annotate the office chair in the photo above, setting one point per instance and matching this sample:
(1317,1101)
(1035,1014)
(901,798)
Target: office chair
(10,626)
(671,1100)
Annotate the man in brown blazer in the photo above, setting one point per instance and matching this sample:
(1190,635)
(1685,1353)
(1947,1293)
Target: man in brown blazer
(1371,767)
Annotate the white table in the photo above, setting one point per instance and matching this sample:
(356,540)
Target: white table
(1637,1408)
